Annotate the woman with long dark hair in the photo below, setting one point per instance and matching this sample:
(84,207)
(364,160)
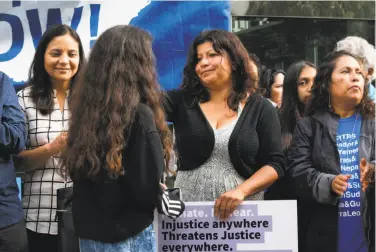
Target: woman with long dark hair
(118,144)
(330,150)
(227,134)
(297,92)
(58,60)
(297,87)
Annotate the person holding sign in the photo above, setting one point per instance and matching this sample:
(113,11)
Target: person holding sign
(118,144)
(13,236)
(228,136)
(329,149)
(57,61)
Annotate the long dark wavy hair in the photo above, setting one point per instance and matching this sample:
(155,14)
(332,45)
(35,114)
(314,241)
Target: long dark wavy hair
(224,42)
(119,75)
(291,109)
(39,79)
(320,92)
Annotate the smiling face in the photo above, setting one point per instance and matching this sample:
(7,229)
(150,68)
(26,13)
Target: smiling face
(212,68)
(347,83)
(61,58)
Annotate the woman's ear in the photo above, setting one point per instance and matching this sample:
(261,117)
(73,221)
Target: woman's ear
(371,71)
(368,77)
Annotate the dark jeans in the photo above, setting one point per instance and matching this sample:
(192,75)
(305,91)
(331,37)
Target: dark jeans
(13,238)
(42,242)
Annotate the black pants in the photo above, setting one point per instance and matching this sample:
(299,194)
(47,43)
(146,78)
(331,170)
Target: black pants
(42,242)
(13,238)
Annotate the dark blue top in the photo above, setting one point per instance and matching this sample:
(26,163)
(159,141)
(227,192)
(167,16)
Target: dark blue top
(350,223)
(12,141)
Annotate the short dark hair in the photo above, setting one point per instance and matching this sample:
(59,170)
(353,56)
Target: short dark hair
(39,79)
(223,42)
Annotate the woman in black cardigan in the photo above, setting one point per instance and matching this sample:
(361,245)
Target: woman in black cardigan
(227,135)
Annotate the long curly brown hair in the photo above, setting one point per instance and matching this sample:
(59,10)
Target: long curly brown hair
(320,89)
(119,75)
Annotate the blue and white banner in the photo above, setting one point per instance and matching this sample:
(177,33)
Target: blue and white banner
(173,24)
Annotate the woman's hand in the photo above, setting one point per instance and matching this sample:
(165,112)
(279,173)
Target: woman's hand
(367,173)
(163,186)
(339,183)
(227,203)
(58,144)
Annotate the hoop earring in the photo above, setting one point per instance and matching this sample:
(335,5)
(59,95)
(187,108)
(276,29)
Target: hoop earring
(330,105)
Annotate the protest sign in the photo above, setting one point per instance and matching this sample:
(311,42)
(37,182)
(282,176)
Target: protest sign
(268,226)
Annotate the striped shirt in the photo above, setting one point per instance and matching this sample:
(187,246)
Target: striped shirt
(41,184)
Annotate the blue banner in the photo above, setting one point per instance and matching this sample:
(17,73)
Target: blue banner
(173,24)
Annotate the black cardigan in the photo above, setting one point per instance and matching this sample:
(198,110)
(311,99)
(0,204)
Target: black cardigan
(112,210)
(254,142)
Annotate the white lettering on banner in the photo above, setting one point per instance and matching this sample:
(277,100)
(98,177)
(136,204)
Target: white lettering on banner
(194,213)
(352,203)
(349,204)
(347,160)
(240,213)
(355,176)
(345,137)
(348,152)
(351,194)
(347,145)
(355,185)
(347,213)
(350,168)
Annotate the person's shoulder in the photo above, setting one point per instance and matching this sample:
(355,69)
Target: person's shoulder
(144,111)
(265,104)
(3,76)
(174,92)
(268,104)
(5,80)
(306,120)
(305,125)
(145,117)
(24,92)
(178,95)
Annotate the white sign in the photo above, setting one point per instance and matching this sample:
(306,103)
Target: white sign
(269,226)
